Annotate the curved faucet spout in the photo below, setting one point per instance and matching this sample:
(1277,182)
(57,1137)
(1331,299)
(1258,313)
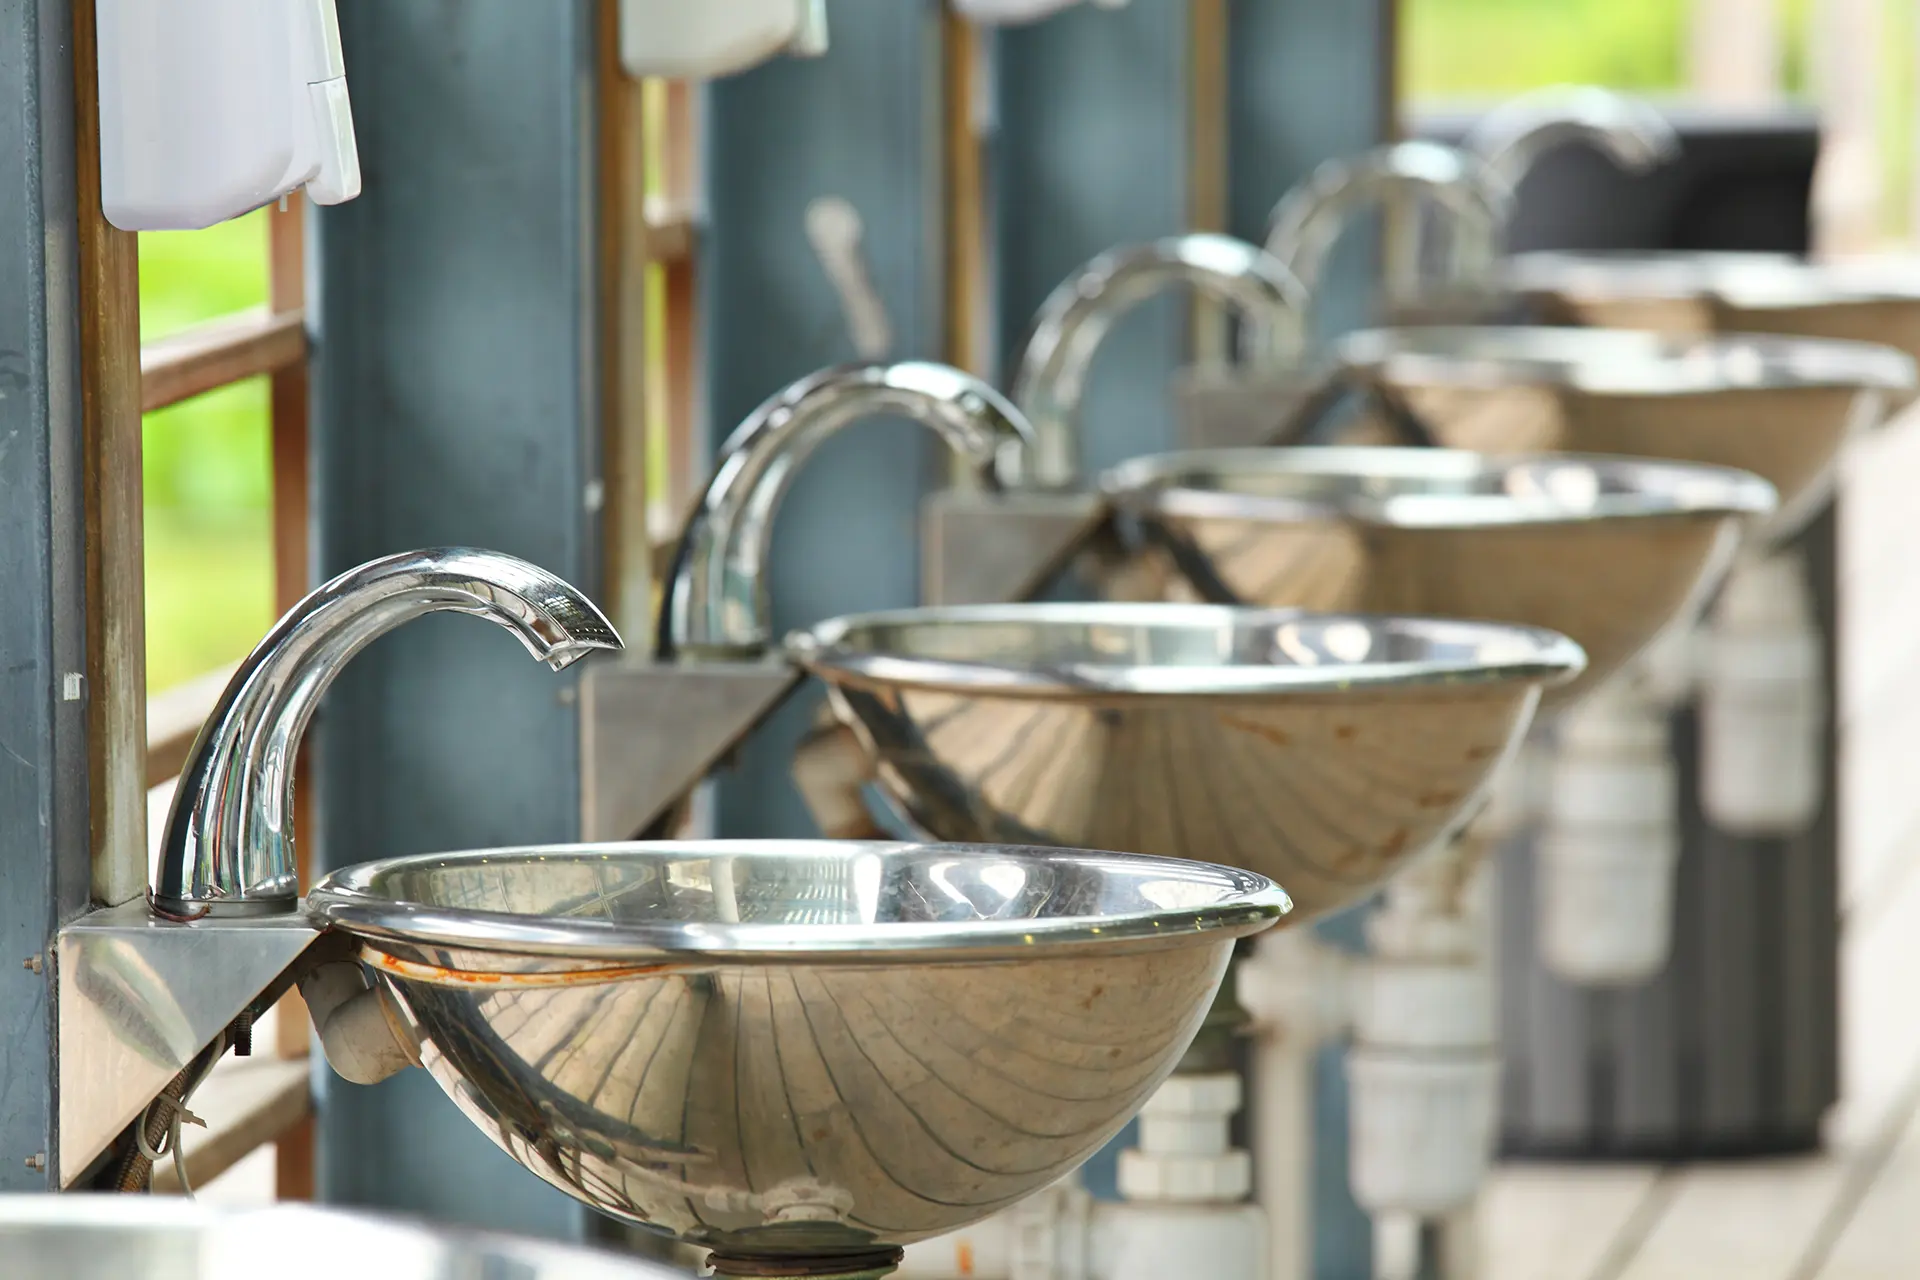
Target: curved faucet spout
(1515,134)
(715,604)
(1312,215)
(1075,318)
(228,847)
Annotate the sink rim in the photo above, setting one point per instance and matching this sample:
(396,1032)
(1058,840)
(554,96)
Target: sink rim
(1519,654)
(1176,484)
(344,900)
(1620,362)
(1746,280)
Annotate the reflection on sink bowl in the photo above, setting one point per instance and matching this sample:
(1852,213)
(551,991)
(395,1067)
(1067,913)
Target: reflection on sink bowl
(1607,551)
(1860,300)
(133,1237)
(1777,407)
(789,1048)
(1321,751)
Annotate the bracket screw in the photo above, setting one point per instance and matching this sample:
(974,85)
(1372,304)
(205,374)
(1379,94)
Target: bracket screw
(31,964)
(37,1161)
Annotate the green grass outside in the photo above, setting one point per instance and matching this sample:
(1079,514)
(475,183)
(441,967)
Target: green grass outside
(209,547)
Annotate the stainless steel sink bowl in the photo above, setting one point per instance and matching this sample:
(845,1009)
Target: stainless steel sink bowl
(1778,407)
(1607,551)
(1320,751)
(1861,300)
(801,1050)
(136,1237)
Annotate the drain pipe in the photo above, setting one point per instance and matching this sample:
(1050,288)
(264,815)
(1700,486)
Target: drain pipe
(1762,701)
(1185,1189)
(1610,843)
(1424,1069)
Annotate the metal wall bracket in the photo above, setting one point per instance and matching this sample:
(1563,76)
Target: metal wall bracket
(650,731)
(140,996)
(1228,409)
(988,548)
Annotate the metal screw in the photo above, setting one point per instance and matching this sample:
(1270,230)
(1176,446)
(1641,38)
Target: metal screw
(31,964)
(37,1161)
(243,1034)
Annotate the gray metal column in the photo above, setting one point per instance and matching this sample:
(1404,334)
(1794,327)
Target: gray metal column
(861,123)
(454,403)
(1310,81)
(44,838)
(1090,151)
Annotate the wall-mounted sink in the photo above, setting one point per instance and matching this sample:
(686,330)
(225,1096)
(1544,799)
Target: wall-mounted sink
(1778,407)
(1860,300)
(1607,551)
(1322,751)
(800,1051)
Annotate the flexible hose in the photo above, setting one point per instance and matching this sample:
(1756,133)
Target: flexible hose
(157,1132)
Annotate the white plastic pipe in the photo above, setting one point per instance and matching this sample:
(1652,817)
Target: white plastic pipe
(1607,856)
(1762,702)
(1424,1071)
(362,1039)
(1051,1237)
(1185,1187)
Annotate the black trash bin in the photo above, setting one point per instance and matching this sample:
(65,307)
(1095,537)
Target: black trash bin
(1733,1050)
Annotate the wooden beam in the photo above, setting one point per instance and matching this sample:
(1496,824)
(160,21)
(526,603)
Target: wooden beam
(626,246)
(115,686)
(1207,115)
(292,524)
(223,351)
(681,178)
(966,195)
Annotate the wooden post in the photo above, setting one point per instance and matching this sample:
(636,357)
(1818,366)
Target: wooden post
(1844,37)
(680,205)
(286,292)
(116,676)
(965,232)
(1733,52)
(624,253)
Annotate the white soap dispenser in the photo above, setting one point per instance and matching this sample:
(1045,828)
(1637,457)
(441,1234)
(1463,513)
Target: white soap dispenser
(210,108)
(684,40)
(1019,13)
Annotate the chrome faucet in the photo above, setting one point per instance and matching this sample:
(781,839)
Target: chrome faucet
(715,604)
(1075,318)
(1311,216)
(1515,134)
(228,848)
